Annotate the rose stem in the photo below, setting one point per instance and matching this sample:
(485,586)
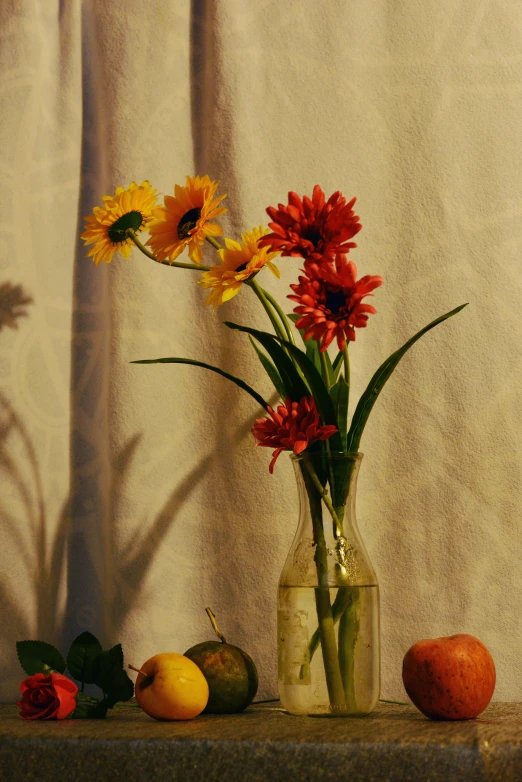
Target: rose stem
(214,625)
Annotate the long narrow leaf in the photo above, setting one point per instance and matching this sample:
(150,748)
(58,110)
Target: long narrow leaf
(312,348)
(270,369)
(319,391)
(259,399)
(336,366)
(295,387)
(329,367)
(376,384)
(339,397)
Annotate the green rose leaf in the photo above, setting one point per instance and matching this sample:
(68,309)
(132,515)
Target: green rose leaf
(121,689)
(87,710)
(116,653)
(84,650)
(106,667)
(39,657)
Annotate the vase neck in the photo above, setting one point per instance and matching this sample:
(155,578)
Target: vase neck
(327,543)
(332,480)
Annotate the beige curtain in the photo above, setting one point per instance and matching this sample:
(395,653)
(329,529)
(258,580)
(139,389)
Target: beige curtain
(132,496)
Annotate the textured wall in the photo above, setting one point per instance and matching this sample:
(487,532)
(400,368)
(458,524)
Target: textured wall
(132,497)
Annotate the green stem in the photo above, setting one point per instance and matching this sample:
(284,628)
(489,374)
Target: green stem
(332,671)
(326,377)
(346,360)
(282,316)
(343,597)
(272,700)
(260,293)
(325,370)
(213,242)
(324,495)
(348,632)
(132,235)
(340,603)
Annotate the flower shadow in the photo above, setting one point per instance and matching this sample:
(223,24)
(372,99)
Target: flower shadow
(26,526)
(137,555)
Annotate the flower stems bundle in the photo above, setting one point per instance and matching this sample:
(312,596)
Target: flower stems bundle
(312,418)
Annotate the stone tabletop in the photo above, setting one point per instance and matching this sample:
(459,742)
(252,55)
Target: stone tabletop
(395,744)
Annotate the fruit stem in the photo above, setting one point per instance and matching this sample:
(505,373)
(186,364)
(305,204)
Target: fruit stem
(214,625)
(137,670)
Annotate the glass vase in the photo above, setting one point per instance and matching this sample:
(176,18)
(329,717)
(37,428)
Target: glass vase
(328,601)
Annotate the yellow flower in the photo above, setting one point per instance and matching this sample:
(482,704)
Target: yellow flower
(183,221)
(239,262)
(106,227)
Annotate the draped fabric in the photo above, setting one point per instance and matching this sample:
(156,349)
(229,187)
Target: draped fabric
(132,496)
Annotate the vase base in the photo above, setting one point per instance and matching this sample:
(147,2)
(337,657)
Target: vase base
(331,714)
(345,714)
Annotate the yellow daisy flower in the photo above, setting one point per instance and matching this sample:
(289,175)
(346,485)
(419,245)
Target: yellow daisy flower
(183,221)
(239,262)
(106,227)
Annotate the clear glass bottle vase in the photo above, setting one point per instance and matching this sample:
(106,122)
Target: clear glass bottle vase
(328,602)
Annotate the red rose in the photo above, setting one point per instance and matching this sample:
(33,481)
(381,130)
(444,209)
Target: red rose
(47,697)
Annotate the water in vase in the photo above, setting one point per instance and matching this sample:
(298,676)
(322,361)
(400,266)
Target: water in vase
(302,683)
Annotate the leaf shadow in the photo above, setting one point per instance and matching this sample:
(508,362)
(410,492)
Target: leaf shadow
(42,564)
(13,303)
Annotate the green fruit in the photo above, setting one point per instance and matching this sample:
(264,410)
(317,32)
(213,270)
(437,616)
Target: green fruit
(230,673)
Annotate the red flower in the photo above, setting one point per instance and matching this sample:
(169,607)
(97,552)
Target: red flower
(47,697)
(330,301)
(292,428)
(312,228)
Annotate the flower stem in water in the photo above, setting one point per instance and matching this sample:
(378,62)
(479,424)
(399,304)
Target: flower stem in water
(325,621)
(348,632)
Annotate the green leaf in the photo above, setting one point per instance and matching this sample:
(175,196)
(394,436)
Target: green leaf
(339,395)
(314,354)
(337,364)
(294,385)
(39,657)
(318,389)
(86,710)
(106,667)
(312,348)
(259,399)
(270,369)
(82,654)
(121,689)
(329,367)
(376,384)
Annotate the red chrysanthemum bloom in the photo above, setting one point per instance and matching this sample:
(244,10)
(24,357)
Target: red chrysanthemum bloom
(330,301)
(292,428)
(312,228)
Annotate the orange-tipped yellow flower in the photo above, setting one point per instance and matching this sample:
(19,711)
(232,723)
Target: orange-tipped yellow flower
(239,262)
(184,221)
(106,227)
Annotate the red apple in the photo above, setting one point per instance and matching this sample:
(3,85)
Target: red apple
(450,678)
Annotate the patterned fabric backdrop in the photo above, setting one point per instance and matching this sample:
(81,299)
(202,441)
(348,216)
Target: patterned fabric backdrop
(132,496)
